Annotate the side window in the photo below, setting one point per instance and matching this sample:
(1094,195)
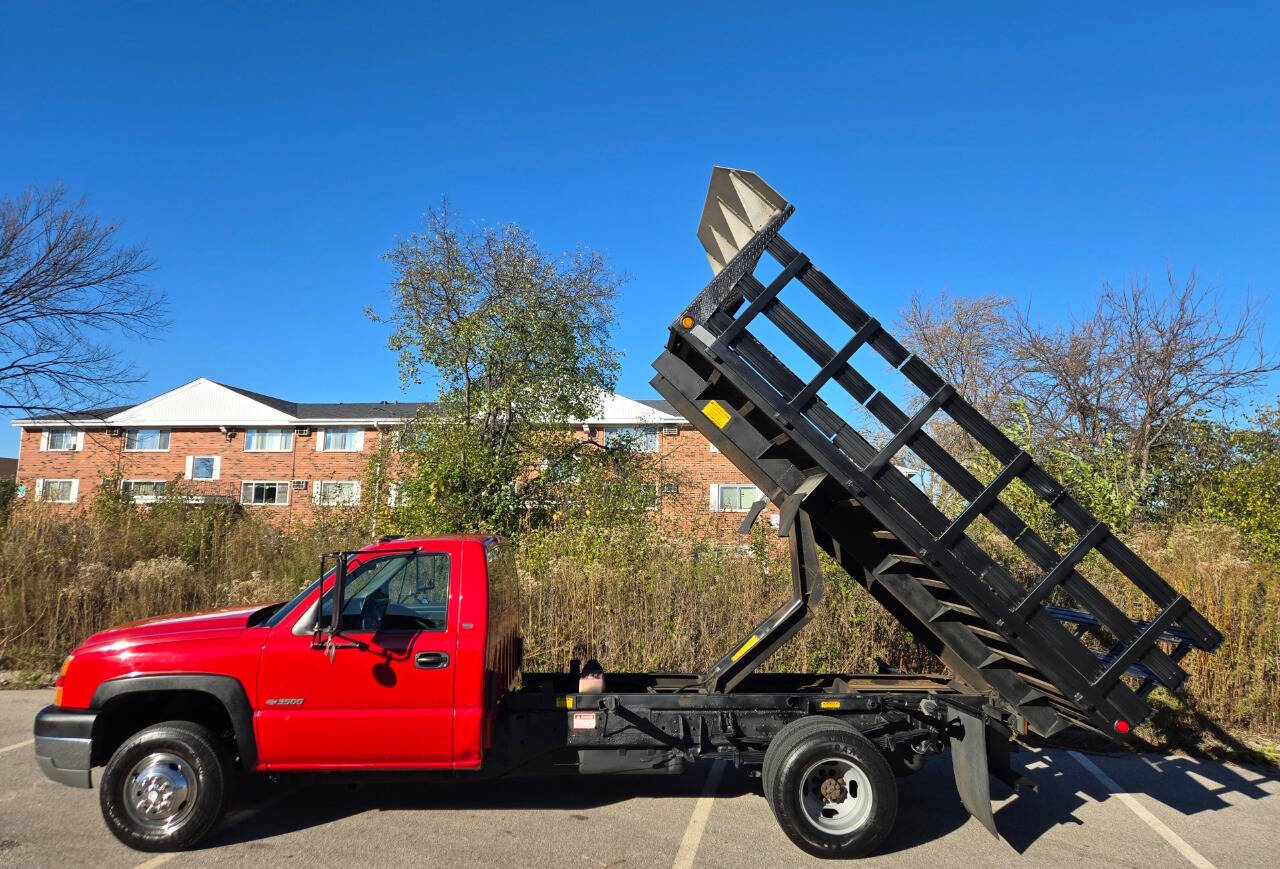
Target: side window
(503,582)
(402,592)
(421,590)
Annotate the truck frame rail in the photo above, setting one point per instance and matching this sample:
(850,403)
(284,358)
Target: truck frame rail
(723,369)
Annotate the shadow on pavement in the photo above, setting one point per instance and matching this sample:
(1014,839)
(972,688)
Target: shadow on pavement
(1185,785)
(264,809)
(929,808)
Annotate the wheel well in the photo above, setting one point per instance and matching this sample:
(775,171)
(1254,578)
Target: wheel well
(129,713)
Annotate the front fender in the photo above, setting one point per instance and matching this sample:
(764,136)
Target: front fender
(227,690)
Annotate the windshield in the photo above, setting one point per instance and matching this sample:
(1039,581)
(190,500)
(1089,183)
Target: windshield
(278,616)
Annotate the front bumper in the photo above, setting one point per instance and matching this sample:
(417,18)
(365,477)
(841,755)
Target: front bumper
(64,745)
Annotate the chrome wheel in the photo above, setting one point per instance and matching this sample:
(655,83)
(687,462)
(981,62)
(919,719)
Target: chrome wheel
(835,796)
(160,792)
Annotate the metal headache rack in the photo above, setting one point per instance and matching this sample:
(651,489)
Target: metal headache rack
(1053,666)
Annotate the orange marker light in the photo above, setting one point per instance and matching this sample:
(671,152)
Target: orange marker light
(686,321)
(62,677)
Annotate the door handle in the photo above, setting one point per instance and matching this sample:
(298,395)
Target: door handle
(431,660)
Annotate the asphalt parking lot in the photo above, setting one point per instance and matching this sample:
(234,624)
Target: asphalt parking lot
(1091,810)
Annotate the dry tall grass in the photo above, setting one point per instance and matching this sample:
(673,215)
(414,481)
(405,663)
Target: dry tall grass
(639,602)
(65,577)
(625,595)
(1239,685)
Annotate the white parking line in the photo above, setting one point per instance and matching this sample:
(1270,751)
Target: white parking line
(698,820)
(1194,857)
(16,745)
(156,861)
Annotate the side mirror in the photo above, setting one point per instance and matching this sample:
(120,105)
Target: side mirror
(323,634)
(339,588)
(326,637)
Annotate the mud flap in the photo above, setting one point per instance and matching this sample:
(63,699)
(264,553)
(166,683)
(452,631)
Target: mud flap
(969,762)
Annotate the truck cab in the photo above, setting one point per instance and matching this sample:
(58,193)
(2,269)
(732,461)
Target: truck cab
(411,674)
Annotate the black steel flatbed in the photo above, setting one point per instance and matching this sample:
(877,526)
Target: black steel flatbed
(726,370)
(658,721)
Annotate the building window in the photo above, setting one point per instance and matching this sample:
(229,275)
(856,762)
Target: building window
(643,438)
(337,493)
(146,440)
(341,440)
(204,467)
(60,440)
(142,491)
(268,440)
(409,439)
(57,491)
(264,492)
(733,497)
(395,494)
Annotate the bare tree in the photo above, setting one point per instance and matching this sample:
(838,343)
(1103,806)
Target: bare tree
(1140,362)
(966,340)
(1069,379)
(1117,380)
(66,282)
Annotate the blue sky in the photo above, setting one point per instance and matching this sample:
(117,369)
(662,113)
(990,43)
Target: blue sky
(267,154)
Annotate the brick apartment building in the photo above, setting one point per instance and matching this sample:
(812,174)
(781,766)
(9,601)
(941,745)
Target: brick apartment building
(291,459)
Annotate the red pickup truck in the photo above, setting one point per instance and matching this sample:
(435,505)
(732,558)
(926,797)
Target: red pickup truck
(421,673)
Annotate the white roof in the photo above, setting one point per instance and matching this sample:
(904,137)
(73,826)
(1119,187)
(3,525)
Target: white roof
(201,403)
(204,403)
(614,409)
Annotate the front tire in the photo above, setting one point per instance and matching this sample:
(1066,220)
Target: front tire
(833,792)
(166,787)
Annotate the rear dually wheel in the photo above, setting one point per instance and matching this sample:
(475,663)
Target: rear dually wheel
(832,790)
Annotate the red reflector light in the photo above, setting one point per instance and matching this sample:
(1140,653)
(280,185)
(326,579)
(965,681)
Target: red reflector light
(1121,726)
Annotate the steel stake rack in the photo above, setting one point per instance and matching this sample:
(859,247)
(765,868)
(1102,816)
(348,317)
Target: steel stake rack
(997,635)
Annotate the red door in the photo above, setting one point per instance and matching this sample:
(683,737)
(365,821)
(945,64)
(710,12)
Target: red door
(386,699)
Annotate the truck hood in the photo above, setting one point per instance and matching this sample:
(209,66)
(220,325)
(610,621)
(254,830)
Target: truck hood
(214,624)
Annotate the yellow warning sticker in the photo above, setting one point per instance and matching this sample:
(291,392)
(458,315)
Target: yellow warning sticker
(714,411)
(830,704)
(564,702)
(745,647)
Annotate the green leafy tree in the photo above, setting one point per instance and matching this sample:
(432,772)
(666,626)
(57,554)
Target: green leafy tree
(1245,493)
(516,341)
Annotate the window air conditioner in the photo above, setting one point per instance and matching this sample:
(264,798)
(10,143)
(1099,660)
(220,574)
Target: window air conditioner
(300,485)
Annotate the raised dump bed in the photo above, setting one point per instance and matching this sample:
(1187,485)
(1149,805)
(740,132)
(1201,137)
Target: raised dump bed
(728,368)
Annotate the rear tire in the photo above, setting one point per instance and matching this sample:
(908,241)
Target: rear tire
(832,791)
(781,743)
(166,787)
